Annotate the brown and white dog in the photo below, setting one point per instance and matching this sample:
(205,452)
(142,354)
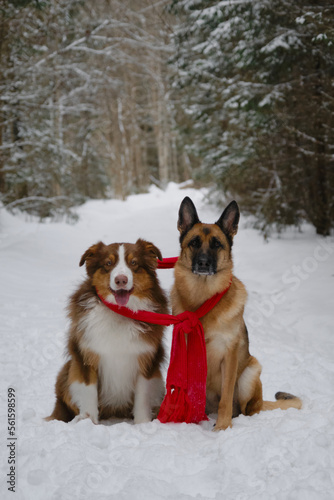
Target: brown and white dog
(114,362)
(205,268)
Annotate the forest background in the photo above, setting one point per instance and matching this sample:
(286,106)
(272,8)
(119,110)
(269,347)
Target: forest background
(100,99)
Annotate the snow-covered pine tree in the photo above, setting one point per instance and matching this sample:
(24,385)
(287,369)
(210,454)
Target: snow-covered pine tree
(256,83)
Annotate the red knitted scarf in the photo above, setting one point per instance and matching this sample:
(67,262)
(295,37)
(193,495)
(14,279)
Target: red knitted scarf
(186,377)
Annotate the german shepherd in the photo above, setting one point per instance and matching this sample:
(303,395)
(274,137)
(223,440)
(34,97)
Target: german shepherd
(205,267)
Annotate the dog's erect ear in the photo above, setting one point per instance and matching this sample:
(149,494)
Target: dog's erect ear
(187,216)
(151,251)
(90,257)
(229,220)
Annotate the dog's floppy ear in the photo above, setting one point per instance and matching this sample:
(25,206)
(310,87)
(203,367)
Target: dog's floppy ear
(91,257)
(229,220)
(150,251)
(187,216)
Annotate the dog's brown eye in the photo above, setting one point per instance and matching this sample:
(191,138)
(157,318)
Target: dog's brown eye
(134,262)
(108,263)
(195,242)
(215,243)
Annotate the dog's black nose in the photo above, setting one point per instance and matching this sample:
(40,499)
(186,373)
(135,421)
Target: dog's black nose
(204,262)
(203,265)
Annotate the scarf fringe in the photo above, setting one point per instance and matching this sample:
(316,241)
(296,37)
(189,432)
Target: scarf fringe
(177,408)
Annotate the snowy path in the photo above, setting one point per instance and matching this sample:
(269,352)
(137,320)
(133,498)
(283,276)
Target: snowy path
(290,315)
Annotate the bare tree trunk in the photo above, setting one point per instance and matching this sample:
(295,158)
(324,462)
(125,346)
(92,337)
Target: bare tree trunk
(321,208)
(160,124)
(2,174)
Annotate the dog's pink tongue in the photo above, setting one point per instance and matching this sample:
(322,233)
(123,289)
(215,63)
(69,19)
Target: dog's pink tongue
(122,297)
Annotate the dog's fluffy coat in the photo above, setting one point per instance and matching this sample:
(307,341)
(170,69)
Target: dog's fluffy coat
(205,268)
(114,362)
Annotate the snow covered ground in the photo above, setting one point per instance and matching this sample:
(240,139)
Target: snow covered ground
(290,316)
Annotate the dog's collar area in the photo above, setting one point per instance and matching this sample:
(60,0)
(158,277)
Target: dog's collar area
(167,263)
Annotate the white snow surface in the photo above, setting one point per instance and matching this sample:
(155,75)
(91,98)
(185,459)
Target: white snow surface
(290,317)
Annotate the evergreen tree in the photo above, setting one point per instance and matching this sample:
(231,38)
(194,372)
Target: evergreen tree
(255,80)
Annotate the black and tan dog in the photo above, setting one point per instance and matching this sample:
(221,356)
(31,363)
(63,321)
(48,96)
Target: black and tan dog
(205,268)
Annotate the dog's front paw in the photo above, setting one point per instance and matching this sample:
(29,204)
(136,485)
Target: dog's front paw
(142,419)
(222,426)
(83,416)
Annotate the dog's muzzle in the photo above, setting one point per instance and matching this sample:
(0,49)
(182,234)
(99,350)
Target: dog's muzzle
(204,265)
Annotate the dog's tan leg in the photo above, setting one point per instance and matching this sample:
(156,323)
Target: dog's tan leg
(229,369)
(250,388)
(255,404)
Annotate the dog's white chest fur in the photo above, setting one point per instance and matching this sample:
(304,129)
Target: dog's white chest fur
(116,340)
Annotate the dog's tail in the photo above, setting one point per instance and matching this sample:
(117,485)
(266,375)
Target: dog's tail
(284,400)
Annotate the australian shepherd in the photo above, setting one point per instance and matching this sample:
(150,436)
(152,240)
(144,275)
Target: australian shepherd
(114,362)
(205,267)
